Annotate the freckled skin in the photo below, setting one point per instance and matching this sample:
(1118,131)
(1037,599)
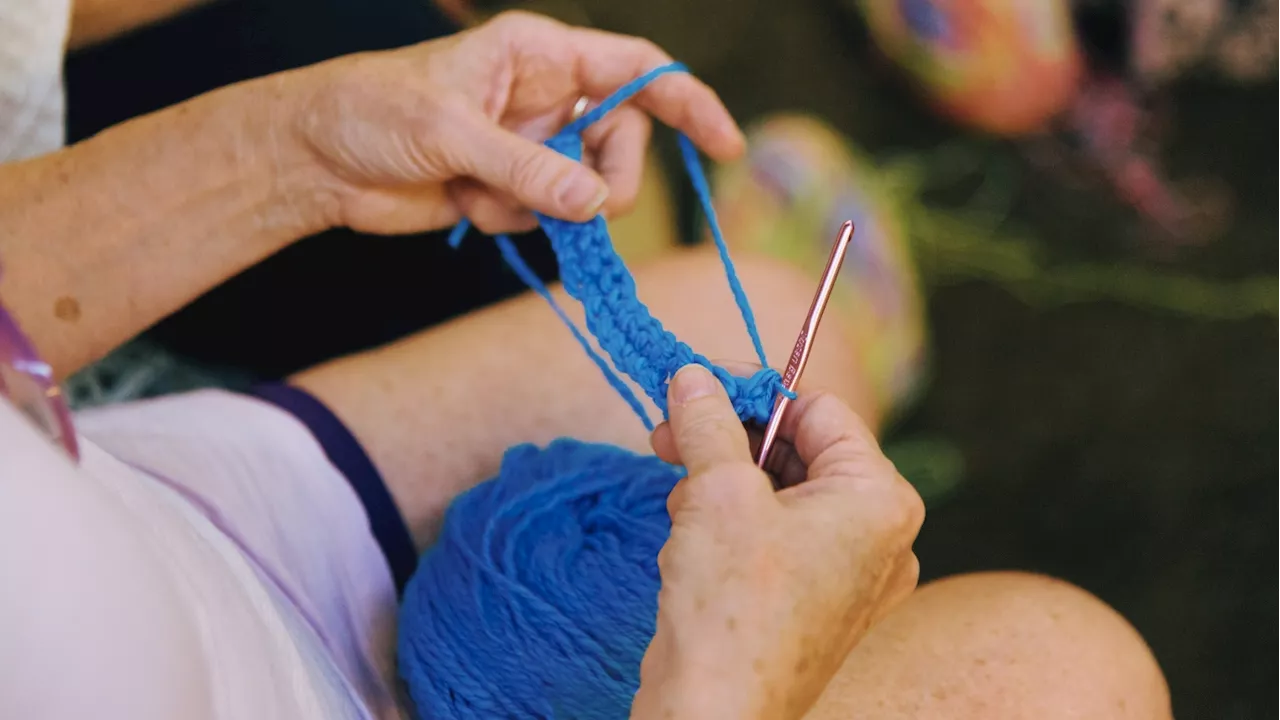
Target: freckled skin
(998,646)
(802,667)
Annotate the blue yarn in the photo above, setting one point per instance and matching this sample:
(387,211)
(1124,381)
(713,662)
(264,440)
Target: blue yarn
(530,278)
(540,597)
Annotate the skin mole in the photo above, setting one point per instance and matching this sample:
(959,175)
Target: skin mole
(66,308)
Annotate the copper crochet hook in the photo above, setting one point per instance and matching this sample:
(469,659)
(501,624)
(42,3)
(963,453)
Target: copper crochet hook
(804,343)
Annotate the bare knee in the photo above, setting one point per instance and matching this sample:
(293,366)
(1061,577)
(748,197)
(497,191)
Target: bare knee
(1000,645)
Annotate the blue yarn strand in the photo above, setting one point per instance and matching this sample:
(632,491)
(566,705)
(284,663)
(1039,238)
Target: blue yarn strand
(593,273)
(512,257)
(703,190)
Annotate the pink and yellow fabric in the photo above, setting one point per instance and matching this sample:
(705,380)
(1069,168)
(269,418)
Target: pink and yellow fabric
(1003,66)
(799,181)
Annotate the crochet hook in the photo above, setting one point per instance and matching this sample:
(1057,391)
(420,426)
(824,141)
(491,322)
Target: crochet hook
(804,343)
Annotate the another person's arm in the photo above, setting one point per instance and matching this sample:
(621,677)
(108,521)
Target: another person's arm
(104,238)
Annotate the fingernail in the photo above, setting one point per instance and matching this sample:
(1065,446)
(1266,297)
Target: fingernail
(582,191)
(692,382)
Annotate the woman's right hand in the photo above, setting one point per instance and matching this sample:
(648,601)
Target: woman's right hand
(765,592)
(416,138)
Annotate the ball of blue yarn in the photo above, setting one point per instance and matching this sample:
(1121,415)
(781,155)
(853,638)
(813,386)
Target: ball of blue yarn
(541,595)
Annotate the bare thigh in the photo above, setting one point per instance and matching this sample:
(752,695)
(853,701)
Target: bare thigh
(993,646)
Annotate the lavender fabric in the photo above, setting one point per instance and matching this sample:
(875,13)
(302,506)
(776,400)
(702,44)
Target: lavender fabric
(346,454)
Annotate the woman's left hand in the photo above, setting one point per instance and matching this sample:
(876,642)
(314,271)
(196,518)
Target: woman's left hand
(414,139)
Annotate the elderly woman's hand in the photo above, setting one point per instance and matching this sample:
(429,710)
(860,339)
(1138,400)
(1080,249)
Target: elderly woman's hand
(764,593)
(416,138)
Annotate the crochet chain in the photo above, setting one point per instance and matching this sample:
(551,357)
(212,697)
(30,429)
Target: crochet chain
(593,273)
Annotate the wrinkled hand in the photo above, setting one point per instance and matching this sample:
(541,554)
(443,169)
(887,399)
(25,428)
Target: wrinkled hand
(414,139)
(764,593)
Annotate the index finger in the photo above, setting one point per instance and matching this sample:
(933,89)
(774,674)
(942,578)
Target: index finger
(606,61)
(823,432)
(826,433)
(817,422)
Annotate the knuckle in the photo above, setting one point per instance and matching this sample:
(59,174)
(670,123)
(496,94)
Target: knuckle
(529,170)
(639,124)
(492,217)
(901,515)
(825,397)
(486,222)
(677,497)
(664,557)
(910,504)
(669,562)
(853,469)
(854,432)
(911,578)
(515,20)
(650,50)
(480,208)
(520,222)
(892,507)
(439,136)
(521,29)
(703,427)
(441,118)
(620,203)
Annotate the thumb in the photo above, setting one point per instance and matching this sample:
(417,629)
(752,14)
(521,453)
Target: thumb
(704,428)
(538,177)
